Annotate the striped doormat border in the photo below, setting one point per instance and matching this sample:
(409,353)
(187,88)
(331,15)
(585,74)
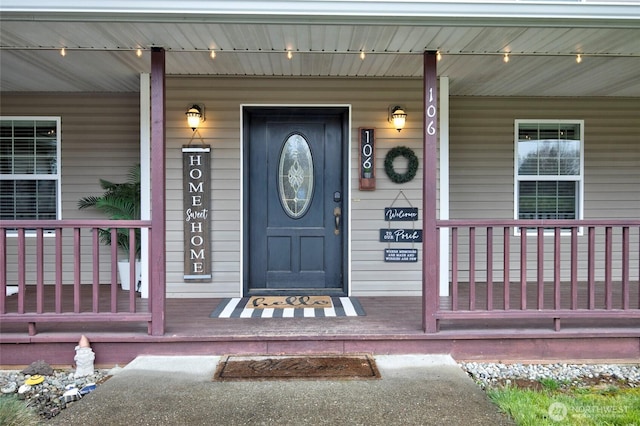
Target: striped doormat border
(235,308)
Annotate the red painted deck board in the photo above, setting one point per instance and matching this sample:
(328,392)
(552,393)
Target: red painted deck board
(387,317)
(392,325)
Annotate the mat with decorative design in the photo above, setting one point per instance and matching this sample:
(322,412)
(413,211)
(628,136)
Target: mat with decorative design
(288,307)
(301,367)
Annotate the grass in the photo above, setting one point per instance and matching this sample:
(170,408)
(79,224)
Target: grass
(14,412)
(558,405)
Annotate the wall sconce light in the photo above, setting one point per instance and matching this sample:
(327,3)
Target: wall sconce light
(397,116)
(195,116)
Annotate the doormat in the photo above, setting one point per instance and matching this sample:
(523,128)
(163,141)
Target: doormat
(283,302)
(299,307)
(300,367)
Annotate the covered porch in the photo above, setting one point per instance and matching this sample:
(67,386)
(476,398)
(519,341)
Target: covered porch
(190,330)
(483,289)
(529,318)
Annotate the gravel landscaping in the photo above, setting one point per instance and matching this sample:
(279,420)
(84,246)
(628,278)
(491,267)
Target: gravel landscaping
(531,375)
(58,389)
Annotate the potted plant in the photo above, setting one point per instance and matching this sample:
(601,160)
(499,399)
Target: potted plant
(120,201)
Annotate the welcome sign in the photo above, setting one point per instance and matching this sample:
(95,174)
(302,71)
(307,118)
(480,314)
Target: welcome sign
(196,166)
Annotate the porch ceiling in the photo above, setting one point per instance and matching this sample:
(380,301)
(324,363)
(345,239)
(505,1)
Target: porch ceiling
(101,50)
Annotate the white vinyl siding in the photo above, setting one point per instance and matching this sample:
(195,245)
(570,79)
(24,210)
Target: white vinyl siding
(369,99)
(100,139)
(482,167)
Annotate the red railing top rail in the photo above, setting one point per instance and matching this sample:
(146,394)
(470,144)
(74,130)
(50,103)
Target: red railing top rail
(537,223)
(74,223)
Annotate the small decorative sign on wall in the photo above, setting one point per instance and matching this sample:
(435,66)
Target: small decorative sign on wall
(400,255)
(367,160)
(399,214)
(196,167)
(400,235)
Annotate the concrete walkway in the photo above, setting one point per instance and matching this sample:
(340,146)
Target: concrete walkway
(413,390)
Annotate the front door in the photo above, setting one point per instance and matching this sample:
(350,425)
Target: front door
(295,216)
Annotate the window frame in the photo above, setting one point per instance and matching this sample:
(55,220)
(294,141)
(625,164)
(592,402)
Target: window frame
(579,178)
(57,176)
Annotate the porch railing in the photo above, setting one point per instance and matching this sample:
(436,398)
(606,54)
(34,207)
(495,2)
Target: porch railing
(51,263)
(541,269)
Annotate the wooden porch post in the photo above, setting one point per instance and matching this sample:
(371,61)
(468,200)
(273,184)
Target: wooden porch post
(158,245)
(430,259)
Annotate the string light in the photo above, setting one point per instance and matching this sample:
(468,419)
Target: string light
(506,58)
(63,52)
(438,56)
(362,55)
(579,58)
(289,54)
(213,54)
(139,53)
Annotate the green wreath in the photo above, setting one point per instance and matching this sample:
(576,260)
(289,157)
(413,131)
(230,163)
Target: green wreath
(411,170)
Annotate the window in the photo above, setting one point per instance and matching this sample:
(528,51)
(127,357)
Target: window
(29,168)
(549,169)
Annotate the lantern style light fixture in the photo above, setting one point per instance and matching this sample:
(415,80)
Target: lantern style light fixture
(398,117)
(195,116)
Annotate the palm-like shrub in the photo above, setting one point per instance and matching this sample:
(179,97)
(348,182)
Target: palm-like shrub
(120,201)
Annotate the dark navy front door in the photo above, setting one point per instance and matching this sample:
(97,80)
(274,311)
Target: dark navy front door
(294,201)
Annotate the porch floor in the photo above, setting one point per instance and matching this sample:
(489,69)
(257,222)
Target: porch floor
(391,325)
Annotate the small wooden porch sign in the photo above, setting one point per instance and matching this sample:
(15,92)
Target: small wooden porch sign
(196,168)
(400,235)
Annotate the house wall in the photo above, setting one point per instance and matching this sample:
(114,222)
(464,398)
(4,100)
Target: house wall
(223,97)
(100,140)
(482,172)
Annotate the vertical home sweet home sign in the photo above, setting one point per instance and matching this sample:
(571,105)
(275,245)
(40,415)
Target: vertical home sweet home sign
(196,167)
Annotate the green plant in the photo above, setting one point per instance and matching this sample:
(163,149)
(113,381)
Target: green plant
(14,412)
(551,384)
(120,201)
(570,406)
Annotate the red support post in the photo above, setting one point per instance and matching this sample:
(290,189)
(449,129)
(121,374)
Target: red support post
(540,269)
(472,268)
(430,302)
(59,258)
(39,270)
(574,267)
(157,284)
(506,267)
(3,270)
(489,268)
(523,268)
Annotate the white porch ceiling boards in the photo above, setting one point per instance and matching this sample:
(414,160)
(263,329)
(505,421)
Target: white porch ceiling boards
(101,43)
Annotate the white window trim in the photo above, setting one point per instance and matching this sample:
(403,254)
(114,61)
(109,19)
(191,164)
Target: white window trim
(579,179)
(57,176)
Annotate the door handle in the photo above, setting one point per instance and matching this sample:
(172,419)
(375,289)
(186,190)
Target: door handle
(337,212)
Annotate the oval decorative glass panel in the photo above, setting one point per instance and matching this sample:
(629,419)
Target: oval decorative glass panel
(295,176)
